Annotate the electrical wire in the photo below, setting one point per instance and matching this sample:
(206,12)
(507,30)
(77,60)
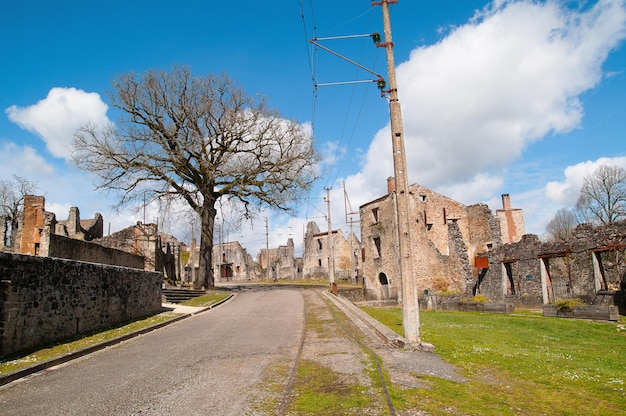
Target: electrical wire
(360,109)
(333,169)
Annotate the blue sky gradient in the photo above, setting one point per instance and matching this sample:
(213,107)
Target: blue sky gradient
(519,97)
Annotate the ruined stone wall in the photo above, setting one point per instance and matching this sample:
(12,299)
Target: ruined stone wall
(231,262)
(379,240)
(591,267)
(140,239)
(44,300)
(69,248)
(445,237)
(77,228)
(515,272)
(316,254)
(4,233)
(34,207)
(285,262)
(436,210)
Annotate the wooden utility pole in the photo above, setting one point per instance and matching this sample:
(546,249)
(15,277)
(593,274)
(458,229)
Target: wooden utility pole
(331,249)
(267,251)
(410,307)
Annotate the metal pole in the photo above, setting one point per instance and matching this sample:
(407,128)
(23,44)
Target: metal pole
(331,251)
(410,307)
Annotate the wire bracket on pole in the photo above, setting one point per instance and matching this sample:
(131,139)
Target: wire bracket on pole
(380,81)
(379,3)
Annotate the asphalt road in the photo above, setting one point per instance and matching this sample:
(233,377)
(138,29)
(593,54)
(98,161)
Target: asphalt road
(205,365)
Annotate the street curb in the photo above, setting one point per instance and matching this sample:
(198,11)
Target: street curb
(24,372)
(389,336)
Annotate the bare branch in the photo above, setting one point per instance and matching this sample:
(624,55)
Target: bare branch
(197,139)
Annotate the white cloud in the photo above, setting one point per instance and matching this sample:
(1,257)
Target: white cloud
(566,192)
(59,115)
(475,100)
(23,161)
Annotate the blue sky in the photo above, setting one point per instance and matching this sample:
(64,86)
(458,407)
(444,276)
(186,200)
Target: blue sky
(518,97)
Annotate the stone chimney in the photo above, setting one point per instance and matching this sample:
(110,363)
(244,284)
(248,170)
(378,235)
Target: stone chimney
(391,184)
(73,222)
(506,202)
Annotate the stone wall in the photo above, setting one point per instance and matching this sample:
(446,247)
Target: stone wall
(590,267)
(140,239)
(232,263)
(44,300)
(71,249)
(316,254)
(446,237)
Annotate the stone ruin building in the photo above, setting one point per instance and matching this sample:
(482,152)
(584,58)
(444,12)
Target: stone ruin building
(232,263)
(447,236)
(590,267)
(316,261)
(38,224)
(283,265)
(139,246)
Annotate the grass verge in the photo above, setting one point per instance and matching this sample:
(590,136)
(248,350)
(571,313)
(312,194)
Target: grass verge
(519,365)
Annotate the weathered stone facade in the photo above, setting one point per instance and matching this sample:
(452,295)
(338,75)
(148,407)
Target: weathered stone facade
(591,267)
(316,257)
(43,299)
(282,263)
(446,236)
(140,239)
(232,263)
(43,235)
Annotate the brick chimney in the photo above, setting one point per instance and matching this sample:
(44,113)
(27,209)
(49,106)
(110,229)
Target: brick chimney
(391,184)
(506,202)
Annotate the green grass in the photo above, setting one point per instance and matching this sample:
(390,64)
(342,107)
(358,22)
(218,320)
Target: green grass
(321,391)
(519,365)
(212,297)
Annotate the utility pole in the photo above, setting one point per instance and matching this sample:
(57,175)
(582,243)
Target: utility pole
(267,251)
(346,204)
(331,250)
(410,307)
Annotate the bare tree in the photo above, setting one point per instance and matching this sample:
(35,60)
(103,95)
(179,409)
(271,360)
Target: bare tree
(602,197)
(560,228)
(12,193)
(197,139)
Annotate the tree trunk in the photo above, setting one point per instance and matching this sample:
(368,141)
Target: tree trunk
(205,272)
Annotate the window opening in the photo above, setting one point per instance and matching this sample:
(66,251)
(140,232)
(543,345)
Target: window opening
(377,245)
(382,278)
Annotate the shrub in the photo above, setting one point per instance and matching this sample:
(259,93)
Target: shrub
(480,298)
(567,304)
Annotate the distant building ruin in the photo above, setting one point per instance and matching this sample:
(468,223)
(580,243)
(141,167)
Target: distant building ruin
(316,259)
(232,263)
(282,263)
(42,235)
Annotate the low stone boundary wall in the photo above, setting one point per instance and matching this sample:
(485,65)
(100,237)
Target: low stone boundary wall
(73,249)
(594,312)
(43,299)
(490,307)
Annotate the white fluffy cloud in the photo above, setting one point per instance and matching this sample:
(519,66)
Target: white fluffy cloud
(23,161)
(59,115)
(566,192)
(475,100)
